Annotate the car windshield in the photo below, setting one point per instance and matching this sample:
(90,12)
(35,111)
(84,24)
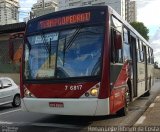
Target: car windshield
(69,53)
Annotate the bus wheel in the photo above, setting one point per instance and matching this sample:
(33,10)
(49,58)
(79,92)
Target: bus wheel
(123,111)
(146,94)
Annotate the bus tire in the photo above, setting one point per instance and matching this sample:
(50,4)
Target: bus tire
(150,83)
(130,90)
(124,111)
(146,94)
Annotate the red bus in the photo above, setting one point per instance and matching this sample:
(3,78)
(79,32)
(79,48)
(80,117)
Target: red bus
(83,61)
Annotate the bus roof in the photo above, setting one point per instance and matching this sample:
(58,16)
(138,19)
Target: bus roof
(94,9)
(78,9)
(75,16)
(127,25)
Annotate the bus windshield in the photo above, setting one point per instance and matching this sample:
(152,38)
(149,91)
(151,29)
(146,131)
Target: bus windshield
(69,53)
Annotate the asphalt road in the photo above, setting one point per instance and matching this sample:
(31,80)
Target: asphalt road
(15,120)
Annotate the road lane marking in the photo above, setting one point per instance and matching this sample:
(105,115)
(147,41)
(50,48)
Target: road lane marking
(140,120)
(14,123)
(9,112)
(55,125)
(152,105)
(6,122)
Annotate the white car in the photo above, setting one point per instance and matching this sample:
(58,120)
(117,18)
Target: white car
(9,92)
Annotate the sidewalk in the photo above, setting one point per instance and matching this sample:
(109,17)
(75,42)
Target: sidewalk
(151,116)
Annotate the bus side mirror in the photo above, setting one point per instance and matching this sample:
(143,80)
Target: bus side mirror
(118,40)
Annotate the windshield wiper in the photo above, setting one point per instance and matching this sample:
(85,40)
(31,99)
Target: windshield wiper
(45,42)
(67,45)
(64,52)
(47,47)
(73,37)
(49,53)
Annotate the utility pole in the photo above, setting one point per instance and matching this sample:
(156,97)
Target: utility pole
(31,14)
(43,6)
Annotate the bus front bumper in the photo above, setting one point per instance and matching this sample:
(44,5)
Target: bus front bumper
(82,106)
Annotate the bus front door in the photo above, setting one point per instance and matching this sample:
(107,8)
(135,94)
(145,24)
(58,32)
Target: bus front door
(134,66)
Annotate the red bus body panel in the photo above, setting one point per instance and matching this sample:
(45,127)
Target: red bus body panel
(105,83)
(74,90)
(117,98)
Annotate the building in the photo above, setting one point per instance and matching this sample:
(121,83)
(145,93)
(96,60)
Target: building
(9,11)
(6,31)
(43,7)
(126,8)
(118,5)
(133,12)
(11,48)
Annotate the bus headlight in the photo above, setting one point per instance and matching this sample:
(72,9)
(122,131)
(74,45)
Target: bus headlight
(28,94)
(94,92)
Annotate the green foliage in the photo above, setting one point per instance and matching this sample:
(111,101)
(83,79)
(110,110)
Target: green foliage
(141,28)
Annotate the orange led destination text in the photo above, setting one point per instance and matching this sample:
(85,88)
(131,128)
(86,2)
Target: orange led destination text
(66,20)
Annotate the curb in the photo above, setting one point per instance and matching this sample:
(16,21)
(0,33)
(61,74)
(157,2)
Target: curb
(129,122)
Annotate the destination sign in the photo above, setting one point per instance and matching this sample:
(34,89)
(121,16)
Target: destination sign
(65,20)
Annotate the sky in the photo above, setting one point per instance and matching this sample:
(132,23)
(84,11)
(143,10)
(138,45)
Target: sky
(25,8)
(147,12)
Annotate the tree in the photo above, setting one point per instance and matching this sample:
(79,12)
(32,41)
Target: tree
(141,28)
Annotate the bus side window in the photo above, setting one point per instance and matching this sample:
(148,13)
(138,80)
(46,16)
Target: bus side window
(152,57)
(116,46)
(126,46)
(148,55)
(138,52)
(141,51)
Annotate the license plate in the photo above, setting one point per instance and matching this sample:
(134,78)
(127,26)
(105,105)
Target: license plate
(56,104)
